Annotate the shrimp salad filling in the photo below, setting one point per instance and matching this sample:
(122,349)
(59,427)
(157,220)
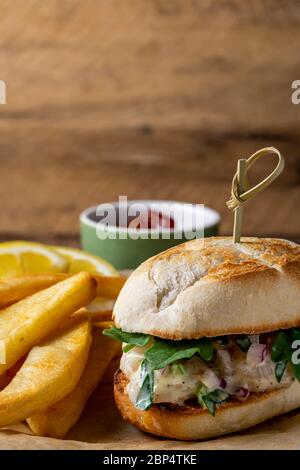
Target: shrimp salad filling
(209,370)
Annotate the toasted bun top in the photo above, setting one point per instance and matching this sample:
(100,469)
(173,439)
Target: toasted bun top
(211,287)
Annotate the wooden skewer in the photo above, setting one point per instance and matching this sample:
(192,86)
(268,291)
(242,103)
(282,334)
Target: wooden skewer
(239,211)
(239,192)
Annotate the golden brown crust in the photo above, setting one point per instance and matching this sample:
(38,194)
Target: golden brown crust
(251,256)
(212,287)
(195,423)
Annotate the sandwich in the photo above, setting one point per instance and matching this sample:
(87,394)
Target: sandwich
(211,337)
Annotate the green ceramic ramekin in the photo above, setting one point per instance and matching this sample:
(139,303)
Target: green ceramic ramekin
(126,248)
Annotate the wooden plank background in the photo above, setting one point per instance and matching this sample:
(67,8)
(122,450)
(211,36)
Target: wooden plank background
(149,98)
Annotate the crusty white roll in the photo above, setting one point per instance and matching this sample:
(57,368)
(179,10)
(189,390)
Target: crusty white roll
(188,423)
(211,287)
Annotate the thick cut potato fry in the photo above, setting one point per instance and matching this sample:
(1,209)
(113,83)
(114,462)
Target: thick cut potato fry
(57,420)
(105,315)
(96,317)
(49,373)
(103,324)
(29,321)
(100,309)
(17,288)
(108,286)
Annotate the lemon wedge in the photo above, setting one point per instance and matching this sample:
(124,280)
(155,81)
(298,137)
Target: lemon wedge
(22,257)
(81,261)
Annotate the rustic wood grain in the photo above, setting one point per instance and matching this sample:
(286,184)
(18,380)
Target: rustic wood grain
(222,65)
(43,202)
(211,156)
(149,98)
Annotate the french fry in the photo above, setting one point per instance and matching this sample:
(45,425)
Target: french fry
(29,321)
(10,373)
(57,420)
(49,373)
(104,315)
(103,324)
(100,309)
(108,286)
(96,317)
(14,289)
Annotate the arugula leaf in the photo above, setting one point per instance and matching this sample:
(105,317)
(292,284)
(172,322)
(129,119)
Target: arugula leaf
(210,404)
(128,347)
(206,349)
(162,353)
(296,369)
(281,347)
(145,396)
(295,337)
(210,400)
(218,396)
(282,352)
(243,342)
(132,339)
(279,370)
(295,333)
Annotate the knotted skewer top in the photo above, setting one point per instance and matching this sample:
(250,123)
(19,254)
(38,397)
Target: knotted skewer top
(239,192)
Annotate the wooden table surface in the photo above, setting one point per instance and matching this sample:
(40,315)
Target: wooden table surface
(101,427)
(149,99)
(42,201)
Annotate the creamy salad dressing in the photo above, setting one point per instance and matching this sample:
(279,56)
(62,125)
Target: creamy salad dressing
(231,372)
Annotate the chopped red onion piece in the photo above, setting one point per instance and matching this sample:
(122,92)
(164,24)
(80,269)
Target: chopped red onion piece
(242,393)
(256,354)
(223,383)
(264,352)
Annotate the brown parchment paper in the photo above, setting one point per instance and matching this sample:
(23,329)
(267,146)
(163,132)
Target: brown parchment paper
(101,427)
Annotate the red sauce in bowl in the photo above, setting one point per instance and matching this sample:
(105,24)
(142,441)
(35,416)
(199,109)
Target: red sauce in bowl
(151,220)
